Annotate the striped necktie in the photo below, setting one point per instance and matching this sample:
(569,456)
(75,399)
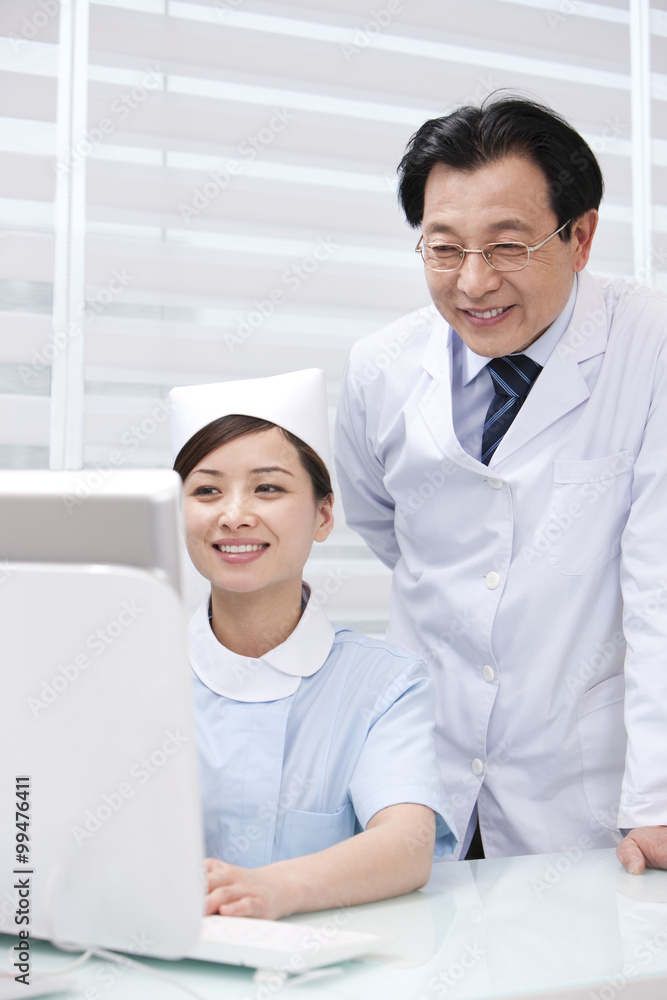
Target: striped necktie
(513,378)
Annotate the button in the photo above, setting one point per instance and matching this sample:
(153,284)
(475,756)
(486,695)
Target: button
(477,766)
(492,580)
(488,673)
(495,484)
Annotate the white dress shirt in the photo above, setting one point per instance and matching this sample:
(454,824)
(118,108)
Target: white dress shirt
(472,385)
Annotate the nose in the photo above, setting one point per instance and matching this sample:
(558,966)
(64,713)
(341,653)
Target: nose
(235,512)
(476,277)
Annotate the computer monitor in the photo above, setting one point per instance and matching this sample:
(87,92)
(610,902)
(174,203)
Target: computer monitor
(100,825)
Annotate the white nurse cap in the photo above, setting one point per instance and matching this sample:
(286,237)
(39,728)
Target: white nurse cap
(296,401)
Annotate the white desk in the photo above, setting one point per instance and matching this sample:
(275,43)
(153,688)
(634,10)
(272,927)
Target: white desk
(548,926)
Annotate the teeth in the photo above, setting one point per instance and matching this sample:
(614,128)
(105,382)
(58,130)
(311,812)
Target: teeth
(233,549)
(488,314)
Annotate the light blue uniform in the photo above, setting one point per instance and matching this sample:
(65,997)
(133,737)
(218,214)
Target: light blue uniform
(290,776)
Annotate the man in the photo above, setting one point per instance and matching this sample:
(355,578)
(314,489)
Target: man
(522,504)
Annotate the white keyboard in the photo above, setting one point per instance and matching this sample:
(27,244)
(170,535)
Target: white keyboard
(275,944)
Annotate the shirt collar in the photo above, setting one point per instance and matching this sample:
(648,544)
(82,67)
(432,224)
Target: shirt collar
(275,675)
(539,351)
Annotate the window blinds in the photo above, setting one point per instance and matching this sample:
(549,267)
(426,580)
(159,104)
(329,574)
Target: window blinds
(237,164)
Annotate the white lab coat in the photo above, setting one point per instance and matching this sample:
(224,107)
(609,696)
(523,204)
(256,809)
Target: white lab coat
(540,611)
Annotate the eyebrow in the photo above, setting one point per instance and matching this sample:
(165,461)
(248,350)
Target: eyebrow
(270,468)
(253,472)
(443,227)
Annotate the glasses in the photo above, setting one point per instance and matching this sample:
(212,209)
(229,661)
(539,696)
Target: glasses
(501,256)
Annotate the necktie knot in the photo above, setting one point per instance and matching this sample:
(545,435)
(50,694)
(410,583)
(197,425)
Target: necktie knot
(513,377)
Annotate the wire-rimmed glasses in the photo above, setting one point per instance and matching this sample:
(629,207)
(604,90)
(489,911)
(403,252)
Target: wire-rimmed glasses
(512,256)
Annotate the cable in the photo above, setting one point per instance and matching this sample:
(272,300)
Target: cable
(52,972)
(111,956)
(108,956)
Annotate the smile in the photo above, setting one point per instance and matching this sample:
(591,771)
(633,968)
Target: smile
(487,313)
(234,549)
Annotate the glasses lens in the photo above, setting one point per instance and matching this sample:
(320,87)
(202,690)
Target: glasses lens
(443,256)
(507,256)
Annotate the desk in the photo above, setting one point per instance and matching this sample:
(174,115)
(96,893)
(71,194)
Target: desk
(571,926)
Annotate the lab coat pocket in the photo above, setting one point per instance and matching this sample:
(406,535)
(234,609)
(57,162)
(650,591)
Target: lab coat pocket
(307,832)
(590,503)
(603,740)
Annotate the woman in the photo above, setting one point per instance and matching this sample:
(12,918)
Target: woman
(307,734)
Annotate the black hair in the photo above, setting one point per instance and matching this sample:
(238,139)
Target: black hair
(471,137)
(234,426)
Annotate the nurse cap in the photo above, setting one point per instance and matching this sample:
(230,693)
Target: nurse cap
(296,401)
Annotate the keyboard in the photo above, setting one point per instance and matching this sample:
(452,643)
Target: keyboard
(276,944)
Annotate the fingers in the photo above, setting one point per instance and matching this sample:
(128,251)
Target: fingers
(247,906)
(630,855)
(238,892)
(219,873)
(223,895)
(213,865)
(232,901)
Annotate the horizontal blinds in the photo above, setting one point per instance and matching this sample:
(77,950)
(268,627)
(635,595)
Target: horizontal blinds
(241,205)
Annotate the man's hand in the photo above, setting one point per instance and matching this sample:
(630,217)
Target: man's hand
(244,892)
(644,847)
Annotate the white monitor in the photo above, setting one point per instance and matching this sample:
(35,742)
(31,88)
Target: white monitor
(98,775)
(124,517)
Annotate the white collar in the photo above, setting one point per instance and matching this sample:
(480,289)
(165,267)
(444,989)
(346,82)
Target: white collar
(275,675)
(540,350)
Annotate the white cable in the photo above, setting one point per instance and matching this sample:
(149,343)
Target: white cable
(133,964)
(65,968)
(108,956)
(41,973)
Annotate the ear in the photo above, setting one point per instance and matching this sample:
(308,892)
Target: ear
(325,519)
(583,231)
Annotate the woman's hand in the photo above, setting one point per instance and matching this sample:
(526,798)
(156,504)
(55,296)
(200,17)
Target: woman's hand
(391,857)
(244,892)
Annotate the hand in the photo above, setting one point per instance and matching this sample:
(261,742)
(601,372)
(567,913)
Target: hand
(243,892)
(644,846)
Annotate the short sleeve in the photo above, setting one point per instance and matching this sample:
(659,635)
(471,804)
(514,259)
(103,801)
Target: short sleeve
(398,763)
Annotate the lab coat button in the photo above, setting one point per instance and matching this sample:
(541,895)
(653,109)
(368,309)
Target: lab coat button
(477,766)
(488,673)
(492,580)
(495,484)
